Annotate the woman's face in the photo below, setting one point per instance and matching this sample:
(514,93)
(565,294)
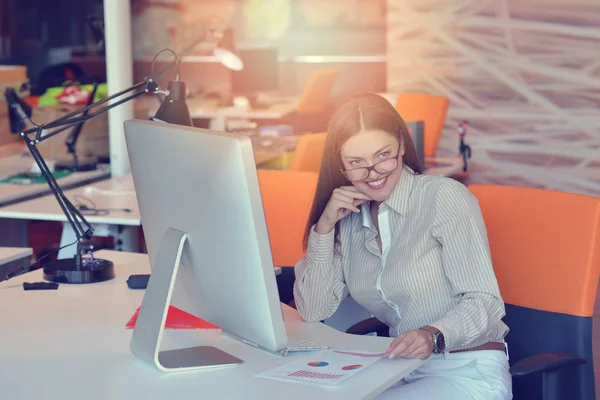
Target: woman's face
(366,149)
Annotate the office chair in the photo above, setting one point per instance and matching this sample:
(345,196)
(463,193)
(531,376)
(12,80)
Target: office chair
(309,152)
(311,112)
(428,108)
(545,248)
(287,198)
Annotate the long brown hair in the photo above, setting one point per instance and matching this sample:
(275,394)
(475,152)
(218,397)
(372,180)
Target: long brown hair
(362,112)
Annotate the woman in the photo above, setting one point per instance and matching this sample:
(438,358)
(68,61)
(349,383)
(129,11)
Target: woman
(412,250)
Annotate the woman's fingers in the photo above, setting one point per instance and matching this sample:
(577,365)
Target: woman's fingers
(347,205)
(352,192)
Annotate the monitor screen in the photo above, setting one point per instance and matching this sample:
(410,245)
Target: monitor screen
(260,73)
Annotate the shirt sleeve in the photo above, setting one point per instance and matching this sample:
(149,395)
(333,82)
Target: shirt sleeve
(460,229)
(319,287)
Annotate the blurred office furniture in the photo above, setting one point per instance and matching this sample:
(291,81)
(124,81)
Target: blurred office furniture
(287,198)
(309,152)
(259,77)
(428,108)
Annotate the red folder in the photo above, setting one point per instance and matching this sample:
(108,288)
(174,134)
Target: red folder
(177,319)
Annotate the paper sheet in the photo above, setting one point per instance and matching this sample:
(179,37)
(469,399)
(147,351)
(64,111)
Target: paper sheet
(329,367)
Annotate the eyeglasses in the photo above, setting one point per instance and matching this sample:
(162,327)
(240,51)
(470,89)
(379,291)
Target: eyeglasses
(382,167)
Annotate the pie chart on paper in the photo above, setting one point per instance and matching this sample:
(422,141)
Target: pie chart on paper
(318,364)
(351,367)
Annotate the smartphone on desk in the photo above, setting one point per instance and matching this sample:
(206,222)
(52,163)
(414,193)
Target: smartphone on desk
(138,281)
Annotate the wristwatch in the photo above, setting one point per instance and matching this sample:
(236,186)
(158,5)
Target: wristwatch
(439,343)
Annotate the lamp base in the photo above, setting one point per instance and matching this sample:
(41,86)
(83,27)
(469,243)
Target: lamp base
(80,164)
(92,270)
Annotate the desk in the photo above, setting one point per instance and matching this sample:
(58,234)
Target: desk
(11,193)
(11,259)
(10,254)
(72,344)
(206,108)
(114,194)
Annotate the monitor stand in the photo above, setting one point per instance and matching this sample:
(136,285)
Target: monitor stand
(149,327)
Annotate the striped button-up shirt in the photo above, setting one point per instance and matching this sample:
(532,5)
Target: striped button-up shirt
(435,268)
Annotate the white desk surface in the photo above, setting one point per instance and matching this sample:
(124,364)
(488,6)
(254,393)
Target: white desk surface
(71,343)
(201,108)
(9,254)
(206,108)
(113,193)
(10,193)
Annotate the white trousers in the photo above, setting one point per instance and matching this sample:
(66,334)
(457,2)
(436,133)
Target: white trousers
(476,375)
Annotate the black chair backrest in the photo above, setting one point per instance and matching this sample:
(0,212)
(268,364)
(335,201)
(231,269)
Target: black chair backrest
(534,332)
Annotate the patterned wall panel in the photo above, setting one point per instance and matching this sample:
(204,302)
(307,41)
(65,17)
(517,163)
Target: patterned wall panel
(525,74)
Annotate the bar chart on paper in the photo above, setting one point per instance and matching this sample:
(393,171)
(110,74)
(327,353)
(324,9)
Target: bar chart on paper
(327,367)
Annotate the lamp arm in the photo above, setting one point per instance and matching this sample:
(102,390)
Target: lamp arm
(81,227)
(69,120)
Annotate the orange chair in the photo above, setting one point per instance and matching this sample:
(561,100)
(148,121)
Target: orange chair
(311,113)
(545,249)
(309,152)
(316,91)
(428,108)
(287,198)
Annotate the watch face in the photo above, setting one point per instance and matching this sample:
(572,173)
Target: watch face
(440,343)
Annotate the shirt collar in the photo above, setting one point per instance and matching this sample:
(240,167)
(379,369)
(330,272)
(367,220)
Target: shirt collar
(366,214)
(398,200)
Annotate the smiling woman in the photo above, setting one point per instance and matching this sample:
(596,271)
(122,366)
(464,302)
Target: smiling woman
(363,132)
(362,150)
(409,248)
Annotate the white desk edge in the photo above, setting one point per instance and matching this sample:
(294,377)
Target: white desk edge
(76,345)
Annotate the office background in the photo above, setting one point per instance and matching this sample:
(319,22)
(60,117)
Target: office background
(524,74)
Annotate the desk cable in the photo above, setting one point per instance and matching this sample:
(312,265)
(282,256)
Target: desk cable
(106,192)
(87,207)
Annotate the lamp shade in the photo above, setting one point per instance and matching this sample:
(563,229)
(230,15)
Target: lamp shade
(174,109)
(227,53)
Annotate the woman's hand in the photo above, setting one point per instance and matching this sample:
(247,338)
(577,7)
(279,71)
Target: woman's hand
(342,202)
(412,344)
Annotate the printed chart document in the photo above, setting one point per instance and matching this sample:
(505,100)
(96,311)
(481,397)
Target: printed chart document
(329,367)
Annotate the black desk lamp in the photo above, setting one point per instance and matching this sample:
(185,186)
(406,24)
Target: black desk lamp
(78,269)
(226,51)
(173,109)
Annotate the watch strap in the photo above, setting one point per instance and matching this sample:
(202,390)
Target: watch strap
(434,332)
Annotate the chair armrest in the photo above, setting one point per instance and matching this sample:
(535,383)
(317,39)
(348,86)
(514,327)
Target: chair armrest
(369,326)
(544,362)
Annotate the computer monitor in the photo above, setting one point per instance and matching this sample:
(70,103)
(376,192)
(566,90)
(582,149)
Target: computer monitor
(200,203)
(260,73)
